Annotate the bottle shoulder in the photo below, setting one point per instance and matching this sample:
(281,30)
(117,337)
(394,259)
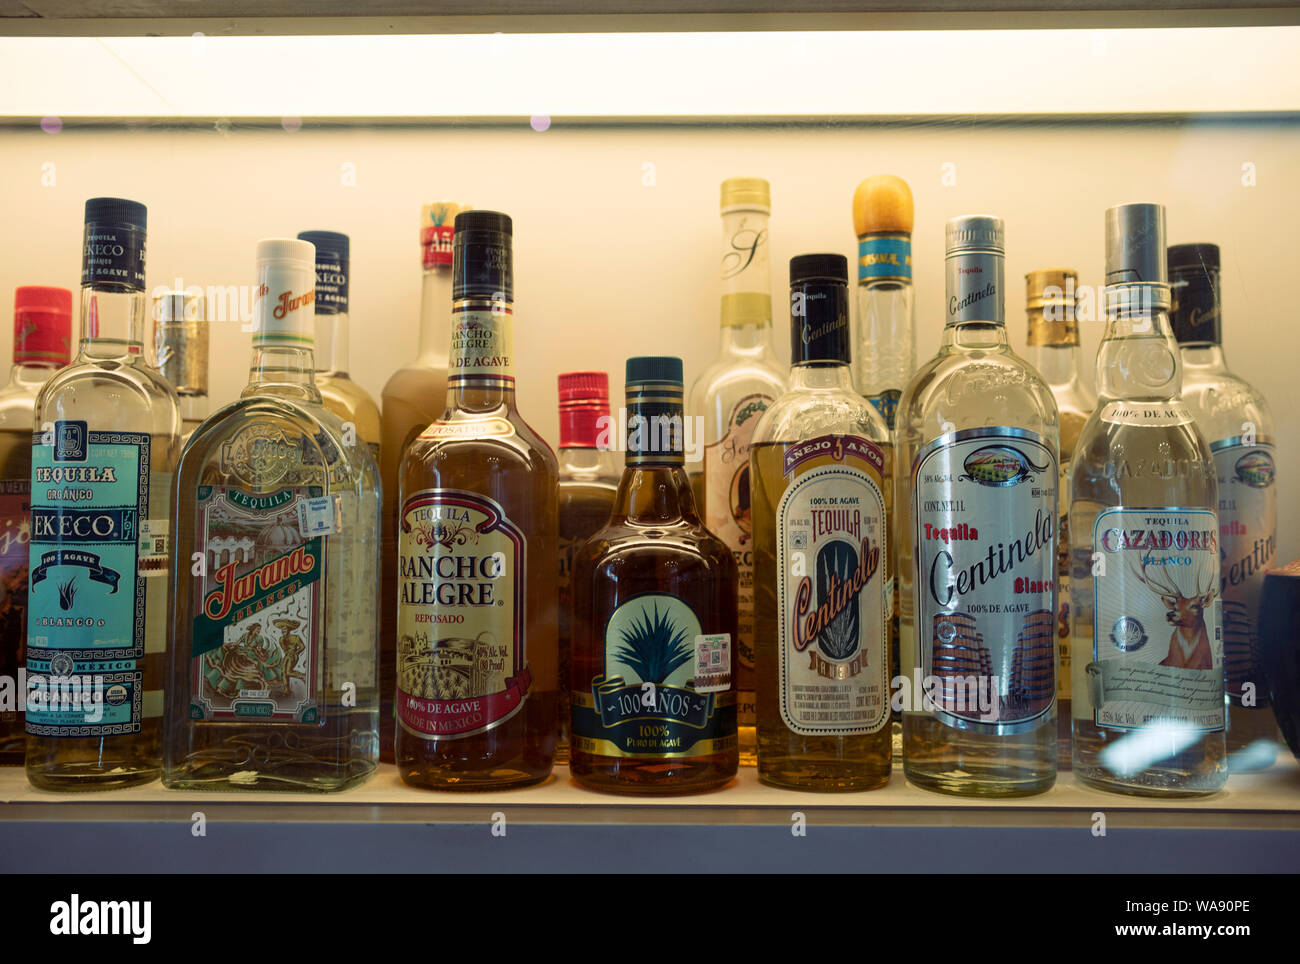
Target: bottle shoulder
(106,376)
(1226,406)
(495,439)
(803,414)
(728,379)
(678,547)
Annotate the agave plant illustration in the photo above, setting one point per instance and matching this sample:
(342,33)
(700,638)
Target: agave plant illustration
(67,593)
(839,639)
(654,647)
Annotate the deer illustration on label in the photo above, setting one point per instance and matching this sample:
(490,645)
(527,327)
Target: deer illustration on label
(1189,644)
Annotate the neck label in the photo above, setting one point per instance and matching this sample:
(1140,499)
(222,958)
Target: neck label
(885,257)
(482,343)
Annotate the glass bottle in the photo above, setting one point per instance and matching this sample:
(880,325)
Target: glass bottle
(1053,342)
(654,618)
(1235,420)
(824,592)
(477,672)
(108,438)
(588,483)
(42,345)
(180,352)
(1148,653)
(272,682)
(412,398)
(731,395)
(977,516)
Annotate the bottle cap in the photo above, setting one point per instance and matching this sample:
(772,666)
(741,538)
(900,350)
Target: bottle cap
(747,192)
(42,325)
(332,269)
(114,243)
(882,204)
(180,341)
(116,211)
(651,370)
(1135,244)
(819,309)
(1197,258)
(437,226)
(285,306)
(483,260)
(1050,305)
(1195,315)
(584,398)
(975,232)
(819,267)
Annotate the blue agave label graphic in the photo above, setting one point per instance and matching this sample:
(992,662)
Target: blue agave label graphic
(837,561)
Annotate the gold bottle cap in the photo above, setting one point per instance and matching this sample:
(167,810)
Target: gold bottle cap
(1050,303)
(752,192)
(882,204)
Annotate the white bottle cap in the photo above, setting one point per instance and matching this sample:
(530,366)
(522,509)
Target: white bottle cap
(286,293)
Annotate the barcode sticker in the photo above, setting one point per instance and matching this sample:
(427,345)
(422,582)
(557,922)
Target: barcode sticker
(713,663)
(321,516)
(152,552)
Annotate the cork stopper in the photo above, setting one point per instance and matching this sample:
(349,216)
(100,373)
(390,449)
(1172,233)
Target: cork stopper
(882,204)
(747,192)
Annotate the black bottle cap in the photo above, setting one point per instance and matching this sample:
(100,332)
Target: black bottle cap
(654,409)
(819,309)
(116,211)
(329,244)
(654,370)
(1194,313)
(482,260)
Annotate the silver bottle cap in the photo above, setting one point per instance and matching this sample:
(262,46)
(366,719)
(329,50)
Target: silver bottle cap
(975,232)
(180,341)
(1135,244)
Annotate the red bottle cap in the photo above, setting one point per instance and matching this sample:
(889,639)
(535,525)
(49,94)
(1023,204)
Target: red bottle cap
(42,325)
(584,398)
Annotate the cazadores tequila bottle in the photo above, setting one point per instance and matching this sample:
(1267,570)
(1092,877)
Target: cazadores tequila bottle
(273,682)
(1235,420)
(824,600)
(1148,650)
(977,518)
(732,395)
(107,439)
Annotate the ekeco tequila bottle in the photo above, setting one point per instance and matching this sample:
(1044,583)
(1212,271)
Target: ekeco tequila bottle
(977,519)
(272,682)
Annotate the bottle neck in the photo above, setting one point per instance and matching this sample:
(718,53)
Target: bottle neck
(1058,364)
(822,377)
(480,376)
(976,289)
(1138,358)
(31,375)
(435,316)
(331,348)
(654,494)
(746,281)
(1204,357)
(583,461)
(750,340)
(975,336)
(112,322)
(287,372)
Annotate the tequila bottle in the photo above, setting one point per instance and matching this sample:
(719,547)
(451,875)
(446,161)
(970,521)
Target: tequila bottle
(412,398)
(588,482)
(654,618)
(732,395)
(1235,420)
(42,337)
(107,440)
(1147,661)
(339,393)
(977,516)
(272,682)
(180,351)
(1053,342)
(823,587)
(477,670)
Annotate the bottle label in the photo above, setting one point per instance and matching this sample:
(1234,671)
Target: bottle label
(727,516)
(885,257)
(1157,651)
(86,599)
(746,269)
(833,598)
(259,630)
(15,519)
(113,253)
(1247,547)
(886,404)
(482,343)
(462,664)
(1063,584)
(985,507)
(331,283)
(975,287)
(1148,414)
(658,693)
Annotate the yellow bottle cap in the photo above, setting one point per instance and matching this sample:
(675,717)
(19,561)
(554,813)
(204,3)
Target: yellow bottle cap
(746,192)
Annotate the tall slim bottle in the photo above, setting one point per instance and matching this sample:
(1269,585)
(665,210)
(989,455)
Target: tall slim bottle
(42,340)
(977,516)
(823,587)
(588,483)
(477,652)
(107,440)
(731,395)
(1148,681)
(272,679)
(1235,419)
(412,398)
(180,352)
(1053,342)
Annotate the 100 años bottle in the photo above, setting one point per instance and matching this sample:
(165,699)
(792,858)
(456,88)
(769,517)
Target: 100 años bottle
(273,682)
(654,618)
(107,442)
(1148,649)
(476,612)
(977,519)
(824,601)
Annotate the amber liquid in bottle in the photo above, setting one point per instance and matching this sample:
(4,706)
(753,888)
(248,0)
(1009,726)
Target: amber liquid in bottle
(478,690)
(646,589)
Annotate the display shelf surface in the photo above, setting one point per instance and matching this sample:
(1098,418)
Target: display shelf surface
(386,826)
